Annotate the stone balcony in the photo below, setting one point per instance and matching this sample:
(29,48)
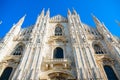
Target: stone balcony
(12,58)
(104,58)
(100,56)
(55,64)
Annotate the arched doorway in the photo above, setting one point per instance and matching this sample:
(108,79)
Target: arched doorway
(6,73)
(110,73)
(58,53)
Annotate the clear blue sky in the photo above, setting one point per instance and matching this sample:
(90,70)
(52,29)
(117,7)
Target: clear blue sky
(106,10)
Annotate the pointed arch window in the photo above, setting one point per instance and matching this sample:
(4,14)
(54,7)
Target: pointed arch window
(58,31)
(58,53)
(98,49)
(6,73)
(110,73)
(18,50)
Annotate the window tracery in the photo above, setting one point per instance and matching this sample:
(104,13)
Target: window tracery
(98,49)
(58,31)
(18,50)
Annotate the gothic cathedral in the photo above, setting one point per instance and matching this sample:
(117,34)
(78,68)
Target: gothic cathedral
(59,48)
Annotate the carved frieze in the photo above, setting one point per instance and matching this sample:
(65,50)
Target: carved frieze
(57,39)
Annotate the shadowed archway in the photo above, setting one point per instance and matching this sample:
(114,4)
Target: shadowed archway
(110,73)
(6,73)
(58,53)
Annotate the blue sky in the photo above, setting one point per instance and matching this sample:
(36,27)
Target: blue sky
(106,10)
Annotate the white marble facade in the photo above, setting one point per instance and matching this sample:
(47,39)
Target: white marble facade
(59,48)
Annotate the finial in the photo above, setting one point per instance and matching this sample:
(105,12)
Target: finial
(48,12)
(18,24)
(96,20)
(42,13)
(22,19)
(69,13)
(25,15)
(74,11)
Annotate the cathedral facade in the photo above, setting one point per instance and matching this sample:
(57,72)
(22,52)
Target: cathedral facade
(59,48)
